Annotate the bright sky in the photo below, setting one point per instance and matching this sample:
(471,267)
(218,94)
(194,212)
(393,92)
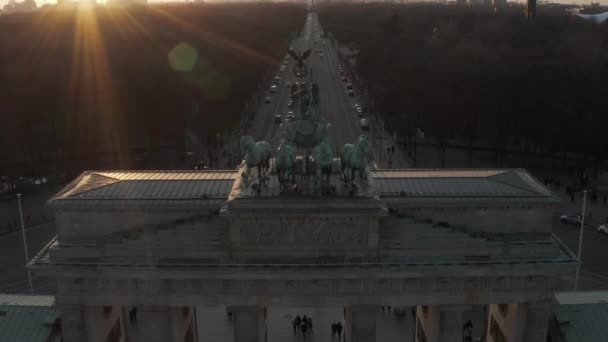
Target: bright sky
(573,2)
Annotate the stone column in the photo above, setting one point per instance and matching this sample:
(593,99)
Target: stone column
(183,323)
(153,325)
(360,323)
(451,322)
(72,323)
(249,323)
(537,321)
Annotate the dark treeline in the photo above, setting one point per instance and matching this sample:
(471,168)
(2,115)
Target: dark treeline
(474,76)
(79,86)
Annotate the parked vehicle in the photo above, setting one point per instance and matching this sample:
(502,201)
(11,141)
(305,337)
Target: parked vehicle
(603,229)
(364,124)
(277,118)
(570,218)
(267,99)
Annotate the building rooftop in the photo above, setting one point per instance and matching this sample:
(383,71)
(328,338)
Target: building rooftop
(148,185)
(582,322)
(207,185)
(458,183)
(581,297)
(27,318)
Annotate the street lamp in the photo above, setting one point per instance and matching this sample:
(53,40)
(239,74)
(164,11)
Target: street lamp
(580,241)
(27,258)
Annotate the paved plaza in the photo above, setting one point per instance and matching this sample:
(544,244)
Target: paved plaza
(213,324)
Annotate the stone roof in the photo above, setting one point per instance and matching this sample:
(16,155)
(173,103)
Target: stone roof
(459,183)
(156,187)
(27,318)
(147,185)
(582,322)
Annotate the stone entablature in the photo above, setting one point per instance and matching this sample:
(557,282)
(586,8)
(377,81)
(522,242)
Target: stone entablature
(307,292)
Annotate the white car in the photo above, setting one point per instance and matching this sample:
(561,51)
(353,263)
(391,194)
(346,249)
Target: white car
(570,218)
(603,229)
(273,88)
(363,123)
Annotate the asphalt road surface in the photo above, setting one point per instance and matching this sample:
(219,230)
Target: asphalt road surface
(335,104)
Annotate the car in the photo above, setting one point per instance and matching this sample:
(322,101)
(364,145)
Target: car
(603,229)
(277,79)
(273,88)
(344,79)
(290,104)
(290,116)
(356,106)
(363,123)
(349,86)
(287,84)
(267,99)
(351,92)
(570,218)
(277,118)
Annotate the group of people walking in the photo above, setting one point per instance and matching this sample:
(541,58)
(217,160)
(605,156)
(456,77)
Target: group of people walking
(303,324)
(336,330)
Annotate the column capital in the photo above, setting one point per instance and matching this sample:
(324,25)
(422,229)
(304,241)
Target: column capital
(455,307)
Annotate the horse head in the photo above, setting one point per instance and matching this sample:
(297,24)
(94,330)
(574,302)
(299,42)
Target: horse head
(247,143)
(363,143)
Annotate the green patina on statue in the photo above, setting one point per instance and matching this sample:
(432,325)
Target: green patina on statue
(257,154)
(285,164)
(354,160)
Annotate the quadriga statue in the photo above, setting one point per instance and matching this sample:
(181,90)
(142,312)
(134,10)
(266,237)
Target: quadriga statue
(257,154)
(354,159)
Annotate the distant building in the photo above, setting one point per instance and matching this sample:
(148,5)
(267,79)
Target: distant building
(24,6)
(580,317)
(125,2)
(480,2)
(29,318)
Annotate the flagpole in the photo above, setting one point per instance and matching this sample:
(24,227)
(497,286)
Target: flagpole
(580,242)
(27,258)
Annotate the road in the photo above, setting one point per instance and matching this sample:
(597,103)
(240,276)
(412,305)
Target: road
(335,104)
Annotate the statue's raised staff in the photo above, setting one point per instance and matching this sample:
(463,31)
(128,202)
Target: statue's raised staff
(354,159)
(257,154)
(285,163)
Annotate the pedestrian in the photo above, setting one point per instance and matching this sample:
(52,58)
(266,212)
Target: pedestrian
(309,324)
(133,315)
(339,330)
(294,326)
(333,330)
(304,328)
(298,321)
(229,314)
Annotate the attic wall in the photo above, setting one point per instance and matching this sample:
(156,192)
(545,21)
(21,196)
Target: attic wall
(504,220)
